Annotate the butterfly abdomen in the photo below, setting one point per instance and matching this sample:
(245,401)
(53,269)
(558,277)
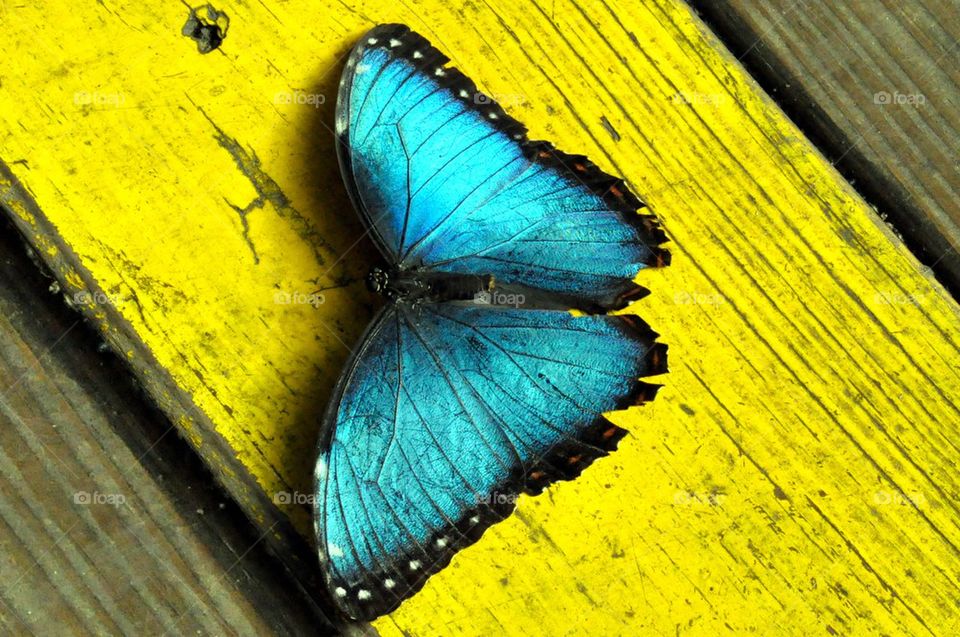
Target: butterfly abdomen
(461,287)
(436,287)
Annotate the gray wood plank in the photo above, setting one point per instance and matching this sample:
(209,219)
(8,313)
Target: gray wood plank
(109,523)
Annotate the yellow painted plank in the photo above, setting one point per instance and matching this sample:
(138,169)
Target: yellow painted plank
(795,476)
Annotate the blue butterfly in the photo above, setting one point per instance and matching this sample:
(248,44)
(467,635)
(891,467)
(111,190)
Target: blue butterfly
(474,383)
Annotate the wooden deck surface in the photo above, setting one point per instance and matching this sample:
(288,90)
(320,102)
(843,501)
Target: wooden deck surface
(876,85)
(108,523)
(795,476)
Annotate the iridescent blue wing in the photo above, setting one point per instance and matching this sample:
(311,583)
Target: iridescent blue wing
(445,414)
(447,181)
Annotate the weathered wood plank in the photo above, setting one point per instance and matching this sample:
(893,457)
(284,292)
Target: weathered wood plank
(795,474)
(876,85)
(109,523)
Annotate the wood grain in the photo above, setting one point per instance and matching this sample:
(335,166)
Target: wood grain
(109,523)
(876,86)
(794,476)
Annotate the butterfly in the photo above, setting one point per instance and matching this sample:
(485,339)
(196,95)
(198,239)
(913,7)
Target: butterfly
(476,382)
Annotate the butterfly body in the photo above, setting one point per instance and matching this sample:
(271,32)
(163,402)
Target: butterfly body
(475,383)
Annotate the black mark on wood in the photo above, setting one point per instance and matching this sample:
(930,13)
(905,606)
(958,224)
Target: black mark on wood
(207,27)
(609,128)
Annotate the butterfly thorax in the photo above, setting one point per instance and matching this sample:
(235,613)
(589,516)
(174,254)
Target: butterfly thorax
(415,286)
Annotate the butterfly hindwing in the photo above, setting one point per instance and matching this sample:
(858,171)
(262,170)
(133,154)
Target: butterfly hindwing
(448,181)
(445,414)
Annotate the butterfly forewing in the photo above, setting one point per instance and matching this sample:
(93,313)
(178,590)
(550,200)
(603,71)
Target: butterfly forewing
(448,181)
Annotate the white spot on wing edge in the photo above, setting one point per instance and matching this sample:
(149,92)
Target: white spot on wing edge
(321,471)
(394,43)
(414,565)
(334,550)
(316,533)
(474,519)
(363,594)
(341,126)
(371,40)
(417,55)
(439,72)
(340,591)
(389,583)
